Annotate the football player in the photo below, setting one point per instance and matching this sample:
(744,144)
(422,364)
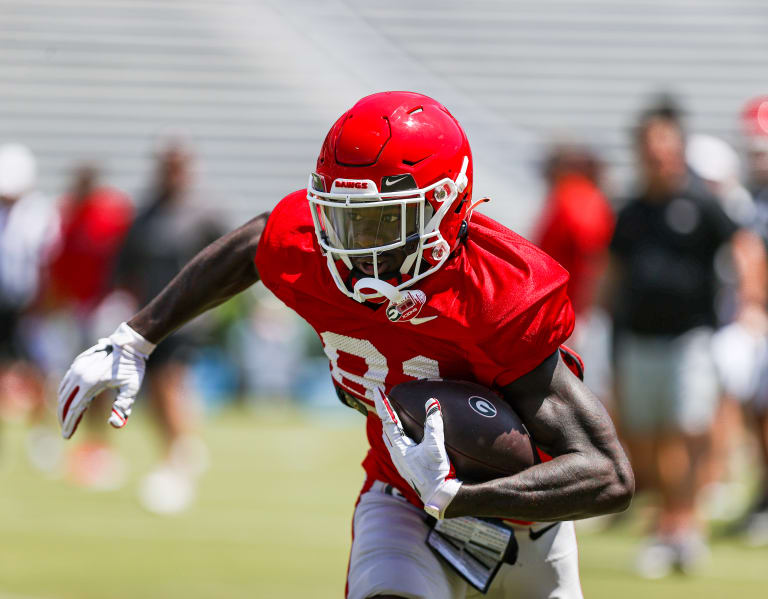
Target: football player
(383,256)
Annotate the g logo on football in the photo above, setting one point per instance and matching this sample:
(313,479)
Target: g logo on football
(482,406)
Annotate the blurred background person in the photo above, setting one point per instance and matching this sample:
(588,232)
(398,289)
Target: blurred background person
(575,228)
(663,294)
(94,219)
(179,225)
(577,221)
(755,127)
(27,234)
(738,343)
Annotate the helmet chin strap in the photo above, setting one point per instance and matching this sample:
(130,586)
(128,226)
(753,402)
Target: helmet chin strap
(382,287)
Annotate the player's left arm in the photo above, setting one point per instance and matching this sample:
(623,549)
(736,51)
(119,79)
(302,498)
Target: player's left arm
(589,474)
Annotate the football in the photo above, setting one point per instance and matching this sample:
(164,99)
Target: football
(484,438)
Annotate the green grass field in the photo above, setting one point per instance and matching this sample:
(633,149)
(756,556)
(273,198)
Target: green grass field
(272,520)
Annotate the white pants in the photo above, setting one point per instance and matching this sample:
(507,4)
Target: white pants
(390,556)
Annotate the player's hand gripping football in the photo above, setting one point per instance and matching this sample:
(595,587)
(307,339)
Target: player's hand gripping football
(115,362)
(425,465)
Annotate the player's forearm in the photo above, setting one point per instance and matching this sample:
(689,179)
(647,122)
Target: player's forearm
(590,473)
(569,487)
(218,272)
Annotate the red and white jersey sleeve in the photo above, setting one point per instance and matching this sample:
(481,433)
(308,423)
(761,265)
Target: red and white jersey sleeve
(494,312)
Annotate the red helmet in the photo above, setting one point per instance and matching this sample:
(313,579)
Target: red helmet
(754,118)
(394,178)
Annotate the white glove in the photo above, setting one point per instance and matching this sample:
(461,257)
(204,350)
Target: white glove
(115,362)
(426,465)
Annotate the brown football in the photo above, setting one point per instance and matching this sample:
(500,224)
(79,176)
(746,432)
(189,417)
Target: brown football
(484,437)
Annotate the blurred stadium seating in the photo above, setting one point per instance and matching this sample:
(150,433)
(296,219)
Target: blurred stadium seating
(255,84)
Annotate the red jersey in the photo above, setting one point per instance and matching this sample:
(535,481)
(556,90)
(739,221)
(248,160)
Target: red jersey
(576,228)
(495,310)
(92,231)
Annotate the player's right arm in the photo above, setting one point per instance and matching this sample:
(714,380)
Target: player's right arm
(220,271)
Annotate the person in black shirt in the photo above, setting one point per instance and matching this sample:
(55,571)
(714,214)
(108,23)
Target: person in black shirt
(663,293)
(667,247)
(179,225)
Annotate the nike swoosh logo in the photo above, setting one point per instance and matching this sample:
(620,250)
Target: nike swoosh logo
(392,180)
(537,534)
(421,320)
(107,349)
